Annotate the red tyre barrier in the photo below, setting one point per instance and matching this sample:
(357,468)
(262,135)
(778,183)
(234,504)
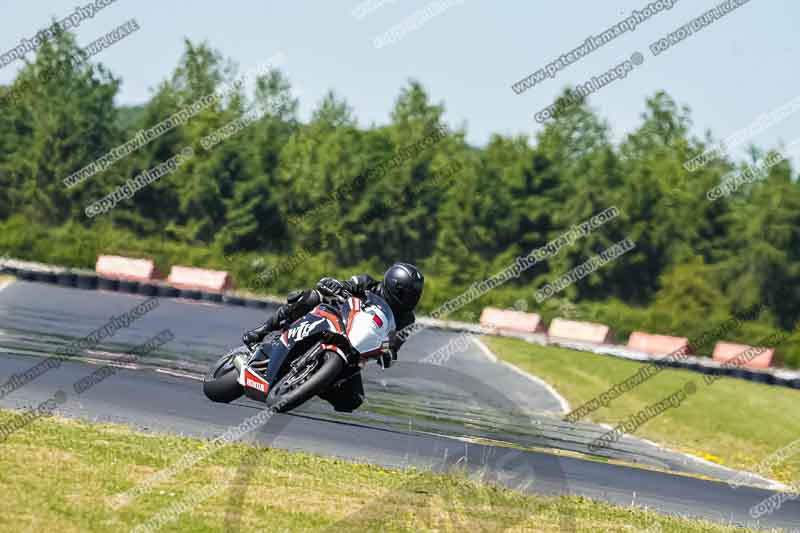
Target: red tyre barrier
(512,320)
(742,355)
(658,344)
(580,331)
(201,279)
(115,266)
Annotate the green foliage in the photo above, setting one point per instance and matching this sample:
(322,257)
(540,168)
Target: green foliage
(689,291)
(328,197)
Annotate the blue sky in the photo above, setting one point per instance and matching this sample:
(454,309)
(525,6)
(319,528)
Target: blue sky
(467,57)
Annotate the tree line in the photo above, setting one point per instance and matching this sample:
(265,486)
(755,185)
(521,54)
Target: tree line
(354,198)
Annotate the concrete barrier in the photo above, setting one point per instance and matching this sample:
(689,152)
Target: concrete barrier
(744,356)
(493,317)
(189,278)
(126,268)
(580,331)
(658,344)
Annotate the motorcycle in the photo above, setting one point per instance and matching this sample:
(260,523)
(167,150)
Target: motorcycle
(331,342)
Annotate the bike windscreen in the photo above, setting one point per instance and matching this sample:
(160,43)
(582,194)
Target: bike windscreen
(374,299)
(370,322)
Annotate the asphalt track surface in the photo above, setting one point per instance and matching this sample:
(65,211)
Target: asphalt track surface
(469,411)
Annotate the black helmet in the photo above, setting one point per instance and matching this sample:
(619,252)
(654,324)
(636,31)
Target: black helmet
(402,285)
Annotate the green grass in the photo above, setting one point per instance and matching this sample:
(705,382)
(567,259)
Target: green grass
(732,422)
(61,475)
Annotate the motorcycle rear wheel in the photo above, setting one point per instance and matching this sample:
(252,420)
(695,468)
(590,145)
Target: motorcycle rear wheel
(220,384)
(301,384)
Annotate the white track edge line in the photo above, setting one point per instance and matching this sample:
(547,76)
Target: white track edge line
(563,403)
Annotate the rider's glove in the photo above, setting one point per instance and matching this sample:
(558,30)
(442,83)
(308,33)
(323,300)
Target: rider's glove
(358,285)
(334,286)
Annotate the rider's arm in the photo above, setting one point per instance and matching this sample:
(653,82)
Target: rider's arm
(360,284)
(357,285)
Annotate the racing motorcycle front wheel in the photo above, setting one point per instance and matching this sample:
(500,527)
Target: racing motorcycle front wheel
(303,381)
(220,384)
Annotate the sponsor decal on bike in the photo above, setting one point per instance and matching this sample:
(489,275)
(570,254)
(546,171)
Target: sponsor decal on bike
(255,382)
(304,329)
(256,385)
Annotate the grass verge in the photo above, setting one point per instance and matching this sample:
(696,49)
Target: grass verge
(732,422)
(60,475)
